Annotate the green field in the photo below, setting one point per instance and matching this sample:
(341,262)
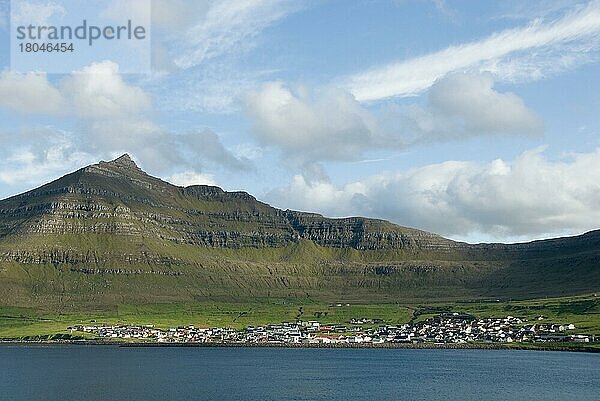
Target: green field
(582,311)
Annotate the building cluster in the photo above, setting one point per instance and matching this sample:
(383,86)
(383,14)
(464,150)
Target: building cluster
(459,328)
(449,328)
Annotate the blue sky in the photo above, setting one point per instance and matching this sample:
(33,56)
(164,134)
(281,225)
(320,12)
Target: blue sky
(475,120)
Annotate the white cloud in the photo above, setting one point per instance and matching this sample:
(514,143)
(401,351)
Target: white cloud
(112,116)
(530,196)
(99,91)
(36,155)
(189,178)
(194,31)
(509,54)
(320,196)
(464,105)
(199,61)
(115,116)
(525,11)
(331,125)
(30,94)
(229,25)
(159,150)
(310,127)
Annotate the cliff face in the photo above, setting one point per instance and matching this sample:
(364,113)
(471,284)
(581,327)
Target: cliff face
(112,229)
(119,198)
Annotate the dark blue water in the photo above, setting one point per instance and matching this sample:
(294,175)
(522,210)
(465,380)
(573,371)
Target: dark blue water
(95,373)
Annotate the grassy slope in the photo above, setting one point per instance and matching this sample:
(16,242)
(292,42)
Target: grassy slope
(301,270)
(583,311)
(211,285)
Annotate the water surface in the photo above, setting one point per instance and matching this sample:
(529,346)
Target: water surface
(98,373)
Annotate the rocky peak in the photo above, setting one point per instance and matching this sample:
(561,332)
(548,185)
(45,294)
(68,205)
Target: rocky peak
(124,161)
(122,167)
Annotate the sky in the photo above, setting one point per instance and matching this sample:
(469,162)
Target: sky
(476,120)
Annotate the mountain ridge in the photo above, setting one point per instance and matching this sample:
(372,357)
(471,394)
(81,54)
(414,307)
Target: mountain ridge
(110,224)
(92,180)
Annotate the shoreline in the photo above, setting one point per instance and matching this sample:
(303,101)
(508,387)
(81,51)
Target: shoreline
(422,346)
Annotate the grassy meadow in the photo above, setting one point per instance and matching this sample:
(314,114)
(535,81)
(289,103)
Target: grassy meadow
(583,311)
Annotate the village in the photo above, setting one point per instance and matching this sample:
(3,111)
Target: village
(447,328)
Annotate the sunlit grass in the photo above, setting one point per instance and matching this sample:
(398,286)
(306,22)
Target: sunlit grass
(583,312)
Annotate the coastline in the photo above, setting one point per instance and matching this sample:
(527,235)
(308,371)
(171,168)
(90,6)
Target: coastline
(417,346)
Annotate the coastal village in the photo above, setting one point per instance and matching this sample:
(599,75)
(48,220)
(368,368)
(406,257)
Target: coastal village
(447,328)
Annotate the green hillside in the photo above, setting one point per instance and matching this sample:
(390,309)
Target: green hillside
(109,235)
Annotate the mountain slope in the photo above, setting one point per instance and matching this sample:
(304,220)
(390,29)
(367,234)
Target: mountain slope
(109,233)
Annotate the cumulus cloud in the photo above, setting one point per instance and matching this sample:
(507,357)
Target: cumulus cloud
(96,92)
(99,91)
(331,125)
(112,116)
(529,196)
(321,196)
(463,105)
(115,116)
(30,94)
(530,52)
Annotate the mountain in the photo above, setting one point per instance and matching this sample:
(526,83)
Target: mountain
(109,233)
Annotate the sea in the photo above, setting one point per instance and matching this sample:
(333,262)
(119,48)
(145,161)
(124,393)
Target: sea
(111,373)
